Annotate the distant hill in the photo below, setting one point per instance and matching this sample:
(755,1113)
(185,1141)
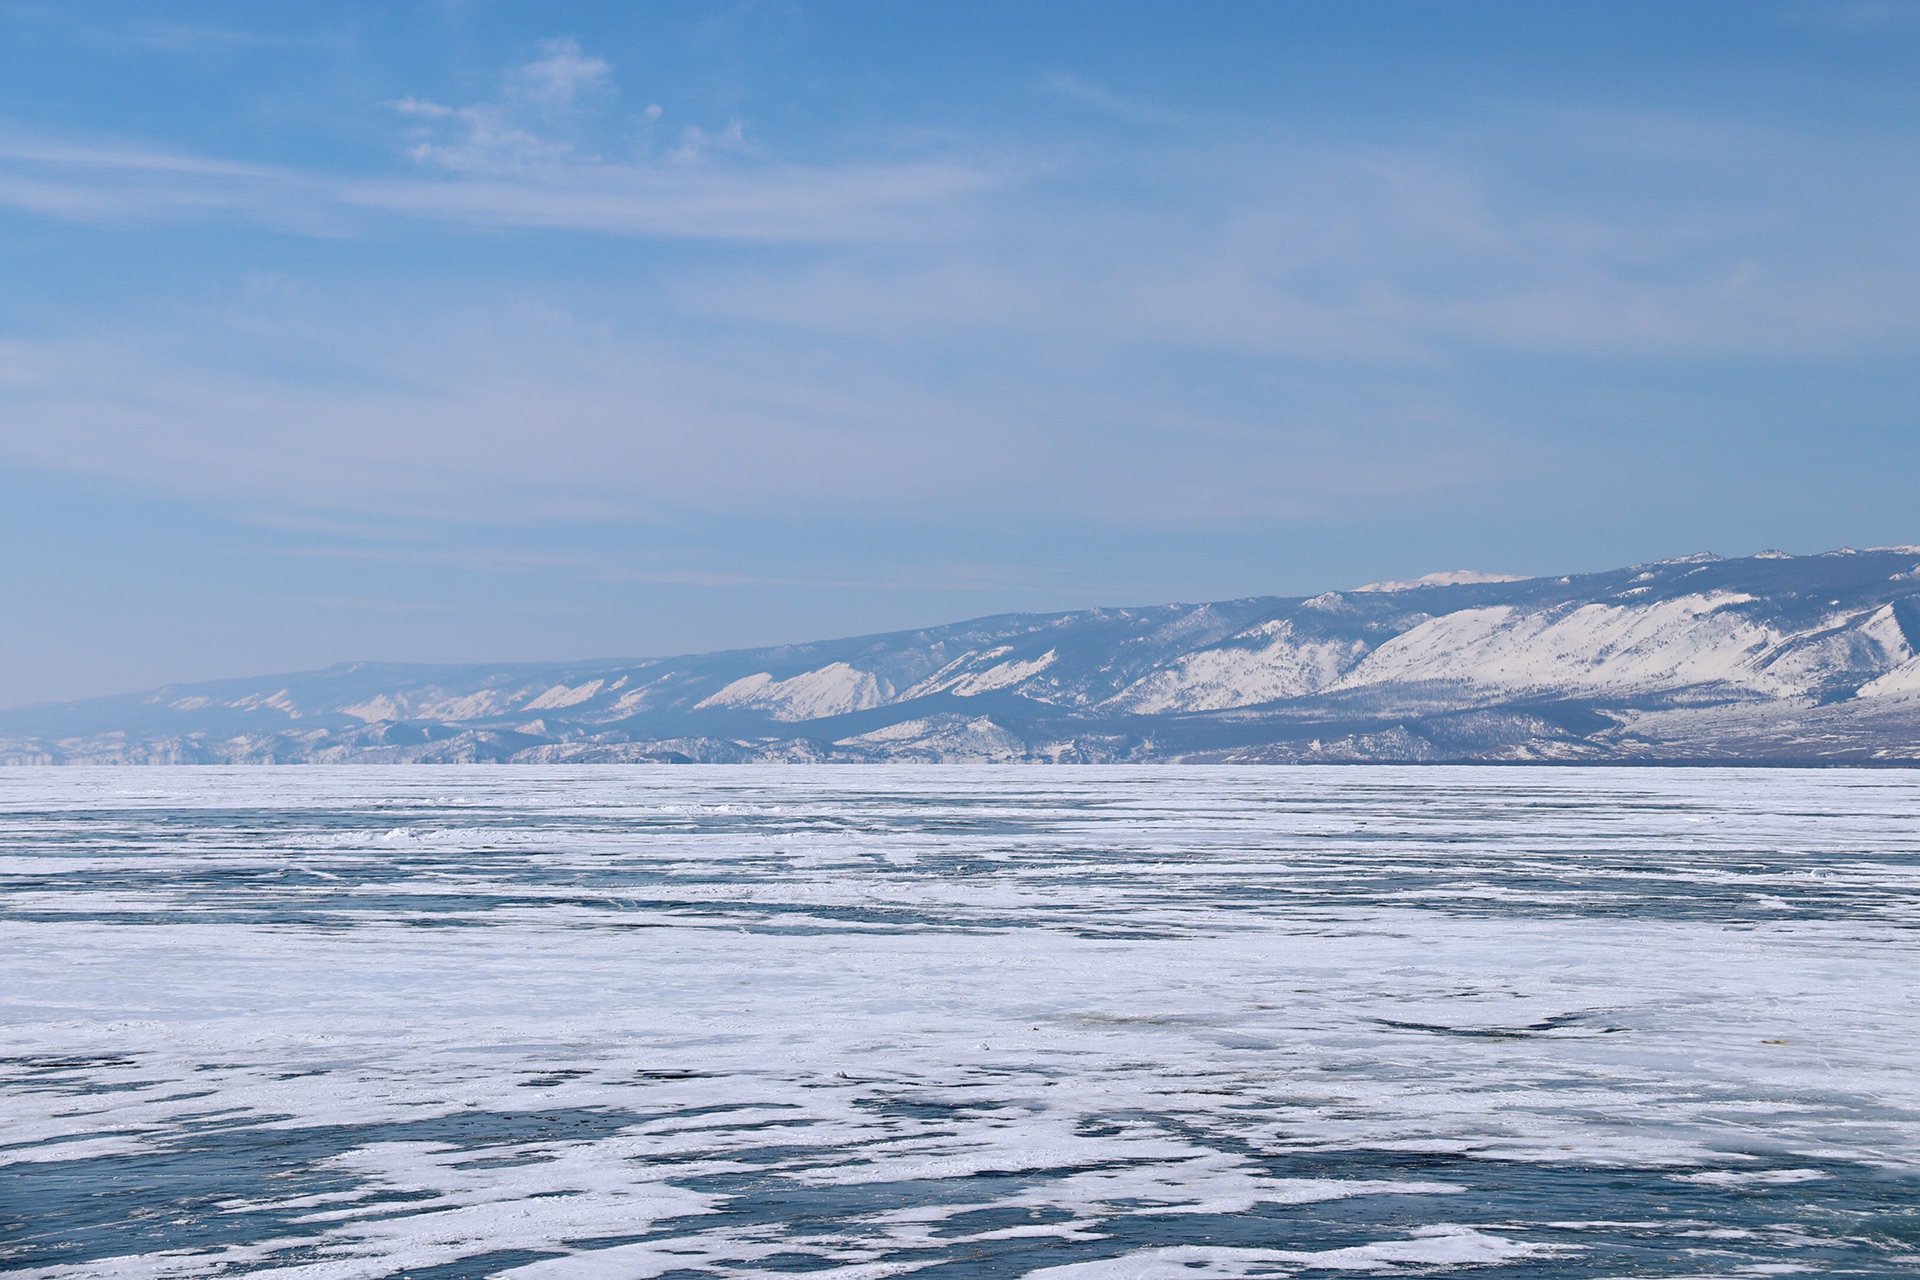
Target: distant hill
(1767,659)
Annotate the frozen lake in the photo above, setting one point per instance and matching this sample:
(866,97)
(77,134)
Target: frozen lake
(959,1021)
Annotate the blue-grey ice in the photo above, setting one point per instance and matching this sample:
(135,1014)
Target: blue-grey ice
(615,1022)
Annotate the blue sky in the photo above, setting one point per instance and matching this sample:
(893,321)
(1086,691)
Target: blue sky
(464,331)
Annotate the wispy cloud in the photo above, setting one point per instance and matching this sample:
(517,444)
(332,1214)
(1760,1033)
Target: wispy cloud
(614,567)
(542,416)
(538,118)
(560,77)
(1246,238)
(1403,257)
(1288,345)
(1269,326)
(1072,88)
(114,182)
(1854,17)
(525,158)
(160,34)
(777,203)
(119,181)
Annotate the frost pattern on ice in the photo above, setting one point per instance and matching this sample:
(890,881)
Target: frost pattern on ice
(604,1022)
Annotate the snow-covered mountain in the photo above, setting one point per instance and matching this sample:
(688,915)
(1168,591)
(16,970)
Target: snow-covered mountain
(1771,658)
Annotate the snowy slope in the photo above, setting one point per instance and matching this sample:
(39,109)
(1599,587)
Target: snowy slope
(1770,657)
(1262,664)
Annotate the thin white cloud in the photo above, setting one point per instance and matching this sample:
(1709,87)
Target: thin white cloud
(1072,88)
(621,567)
(196,39)
(1287,345)
(119,182)
(1266,242)
(526,157)
(560,77)
(1853,17)
(774,203)
(411,106)
(538,415)
(182,37)
(541,116)
(1266,327)
(1402,259)
(697,144)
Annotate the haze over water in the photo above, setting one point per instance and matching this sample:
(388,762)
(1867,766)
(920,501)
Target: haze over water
(959,1021)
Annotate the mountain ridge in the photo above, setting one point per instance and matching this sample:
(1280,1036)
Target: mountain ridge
(1769,658)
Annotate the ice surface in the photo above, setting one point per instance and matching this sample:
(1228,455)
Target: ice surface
(626,1022)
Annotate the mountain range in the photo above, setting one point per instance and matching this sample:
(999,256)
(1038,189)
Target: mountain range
(1771,658)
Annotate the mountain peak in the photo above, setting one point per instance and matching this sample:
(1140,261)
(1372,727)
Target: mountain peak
(1445,578)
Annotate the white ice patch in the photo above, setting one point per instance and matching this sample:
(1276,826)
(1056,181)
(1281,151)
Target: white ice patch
(1754,1177)
(1437,1246)
(1208,1262)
